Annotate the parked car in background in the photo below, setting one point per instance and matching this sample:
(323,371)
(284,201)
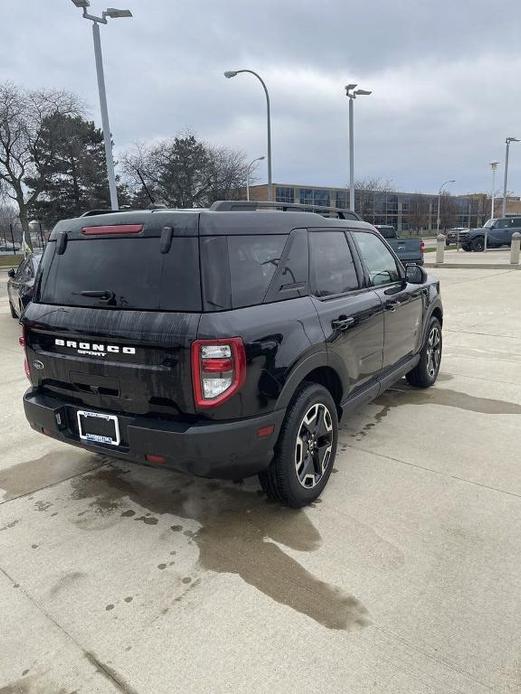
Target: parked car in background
(498,232)
(222,343)
(456,235)
(21,283)
(410,251)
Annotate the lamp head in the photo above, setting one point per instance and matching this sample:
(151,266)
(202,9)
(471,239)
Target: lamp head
(82,4)
(114,13)
(230,73)
(363,92)
(348,88)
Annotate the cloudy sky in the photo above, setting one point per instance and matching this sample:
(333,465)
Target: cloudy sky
(445,75)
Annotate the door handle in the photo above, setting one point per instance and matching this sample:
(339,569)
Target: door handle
(391,305)
(342,322)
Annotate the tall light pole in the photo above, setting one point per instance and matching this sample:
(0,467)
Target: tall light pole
(445,183)
(351,94)
(113,13)
(248,172)
(233,73)
(508,141)
(493,166)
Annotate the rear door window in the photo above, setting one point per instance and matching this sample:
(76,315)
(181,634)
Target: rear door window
(132,272)
(332,269)
(253,261)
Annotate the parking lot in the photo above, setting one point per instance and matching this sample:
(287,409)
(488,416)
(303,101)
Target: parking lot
(404,578)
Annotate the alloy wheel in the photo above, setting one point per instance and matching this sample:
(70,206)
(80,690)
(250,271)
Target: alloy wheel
(314,445)
(433,351)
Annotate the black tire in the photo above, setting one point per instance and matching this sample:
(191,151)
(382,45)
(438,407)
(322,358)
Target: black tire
(13,312)
(305,452)
(478,244)
(466,248)
(426,372)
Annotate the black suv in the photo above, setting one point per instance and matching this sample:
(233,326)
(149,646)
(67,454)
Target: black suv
(222,343)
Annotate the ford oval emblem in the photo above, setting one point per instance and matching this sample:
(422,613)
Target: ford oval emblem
(38,364)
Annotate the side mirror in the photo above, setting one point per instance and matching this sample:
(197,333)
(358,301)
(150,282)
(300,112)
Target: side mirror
(415,274)
(11,273)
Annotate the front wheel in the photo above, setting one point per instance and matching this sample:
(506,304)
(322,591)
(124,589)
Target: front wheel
(478,244)
(306,449)
(426,371)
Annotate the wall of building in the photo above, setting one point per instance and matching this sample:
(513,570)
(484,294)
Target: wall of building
(404,211)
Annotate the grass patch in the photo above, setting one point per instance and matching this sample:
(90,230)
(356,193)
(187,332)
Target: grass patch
(10,260)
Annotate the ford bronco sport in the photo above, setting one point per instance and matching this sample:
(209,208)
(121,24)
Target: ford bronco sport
(222,342)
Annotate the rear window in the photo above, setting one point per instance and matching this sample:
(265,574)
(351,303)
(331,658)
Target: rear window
(132,272)
(238,270)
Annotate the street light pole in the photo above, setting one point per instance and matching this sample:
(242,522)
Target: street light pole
(113,13)
(248,171)
(493,166)
(351,94)
(445,183)
(233,73)
(508,141)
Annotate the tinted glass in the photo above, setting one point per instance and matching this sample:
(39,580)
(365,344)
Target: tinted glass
(380,264)
(253,261)
(502,224)
(332,267)
(134,273)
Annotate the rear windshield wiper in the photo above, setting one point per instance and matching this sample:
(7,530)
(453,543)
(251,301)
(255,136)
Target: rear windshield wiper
(104,295)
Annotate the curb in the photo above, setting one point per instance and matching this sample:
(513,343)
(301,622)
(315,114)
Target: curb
(474,266)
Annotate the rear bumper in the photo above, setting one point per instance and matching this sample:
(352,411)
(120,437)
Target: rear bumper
(228,450)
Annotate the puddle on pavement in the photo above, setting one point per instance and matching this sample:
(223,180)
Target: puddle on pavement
(406,395)
(239,534)
(447,398)
(50,468)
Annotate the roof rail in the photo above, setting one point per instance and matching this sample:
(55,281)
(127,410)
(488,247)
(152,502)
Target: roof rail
(253,205)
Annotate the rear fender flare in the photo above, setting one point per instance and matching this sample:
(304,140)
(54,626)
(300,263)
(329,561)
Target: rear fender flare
(298,374)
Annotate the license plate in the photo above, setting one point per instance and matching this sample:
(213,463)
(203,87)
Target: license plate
(96,427)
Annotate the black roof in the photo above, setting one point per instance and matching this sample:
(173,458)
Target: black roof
(208,222)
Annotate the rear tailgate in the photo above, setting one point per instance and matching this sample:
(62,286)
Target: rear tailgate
(125,362)
(117,305)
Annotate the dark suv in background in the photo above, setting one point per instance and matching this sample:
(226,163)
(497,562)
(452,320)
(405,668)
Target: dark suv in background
(222,343)
(498,231)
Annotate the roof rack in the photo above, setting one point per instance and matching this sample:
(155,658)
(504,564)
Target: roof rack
(252,205)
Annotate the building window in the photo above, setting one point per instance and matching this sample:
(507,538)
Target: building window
(321,197)
(341,199)
(284,194)
(306,196)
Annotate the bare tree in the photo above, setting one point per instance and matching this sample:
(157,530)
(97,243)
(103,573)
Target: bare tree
(366,193)
(448,211)
(23,118)
(184,172)
(418,214)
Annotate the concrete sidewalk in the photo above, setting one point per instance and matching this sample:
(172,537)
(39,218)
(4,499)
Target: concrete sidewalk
(492,259)
(404,579)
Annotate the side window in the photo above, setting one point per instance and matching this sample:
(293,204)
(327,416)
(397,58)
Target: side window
(332,267)
(502,224)
(291,279)
(253,261)
(380,264)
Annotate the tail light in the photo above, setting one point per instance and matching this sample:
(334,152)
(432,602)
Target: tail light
(112,230)
(218,370)
(22,341)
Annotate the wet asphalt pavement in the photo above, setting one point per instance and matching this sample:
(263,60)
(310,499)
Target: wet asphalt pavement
(404,577)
